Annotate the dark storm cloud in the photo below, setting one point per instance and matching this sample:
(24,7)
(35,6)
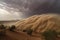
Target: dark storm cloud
(31,7)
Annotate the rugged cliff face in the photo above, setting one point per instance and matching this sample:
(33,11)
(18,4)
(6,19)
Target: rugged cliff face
(40,23)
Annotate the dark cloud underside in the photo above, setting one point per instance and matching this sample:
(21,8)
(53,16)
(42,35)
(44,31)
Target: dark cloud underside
(32,7)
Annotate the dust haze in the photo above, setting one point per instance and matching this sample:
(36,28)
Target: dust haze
(40,23)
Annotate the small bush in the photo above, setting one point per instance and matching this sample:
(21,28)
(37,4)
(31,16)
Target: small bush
(12,28)
(24,30)
(2,26)
(50,35)
(29,31)
(59,33)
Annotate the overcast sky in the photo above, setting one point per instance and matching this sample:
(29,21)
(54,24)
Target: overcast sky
(17,9)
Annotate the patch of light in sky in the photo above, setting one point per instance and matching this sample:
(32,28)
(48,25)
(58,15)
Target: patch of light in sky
(5,15)
(8,13)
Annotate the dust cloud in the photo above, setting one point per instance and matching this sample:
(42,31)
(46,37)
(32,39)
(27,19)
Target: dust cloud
(40,23)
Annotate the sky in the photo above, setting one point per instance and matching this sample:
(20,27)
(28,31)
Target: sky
(18,9)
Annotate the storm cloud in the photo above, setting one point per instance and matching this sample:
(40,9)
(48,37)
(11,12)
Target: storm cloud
(32,7)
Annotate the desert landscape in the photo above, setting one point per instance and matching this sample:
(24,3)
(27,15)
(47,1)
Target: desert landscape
(33,27)
(29,19)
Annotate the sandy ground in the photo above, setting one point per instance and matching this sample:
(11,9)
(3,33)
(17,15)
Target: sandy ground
(20,36)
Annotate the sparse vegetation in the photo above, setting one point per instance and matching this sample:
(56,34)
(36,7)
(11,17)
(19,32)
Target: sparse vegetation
(12,28)
(2,26)
(24,30)
(2,30)
(58,34)
(50,35)
(29,31)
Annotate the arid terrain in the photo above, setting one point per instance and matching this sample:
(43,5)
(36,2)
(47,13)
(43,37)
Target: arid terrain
(38,23)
